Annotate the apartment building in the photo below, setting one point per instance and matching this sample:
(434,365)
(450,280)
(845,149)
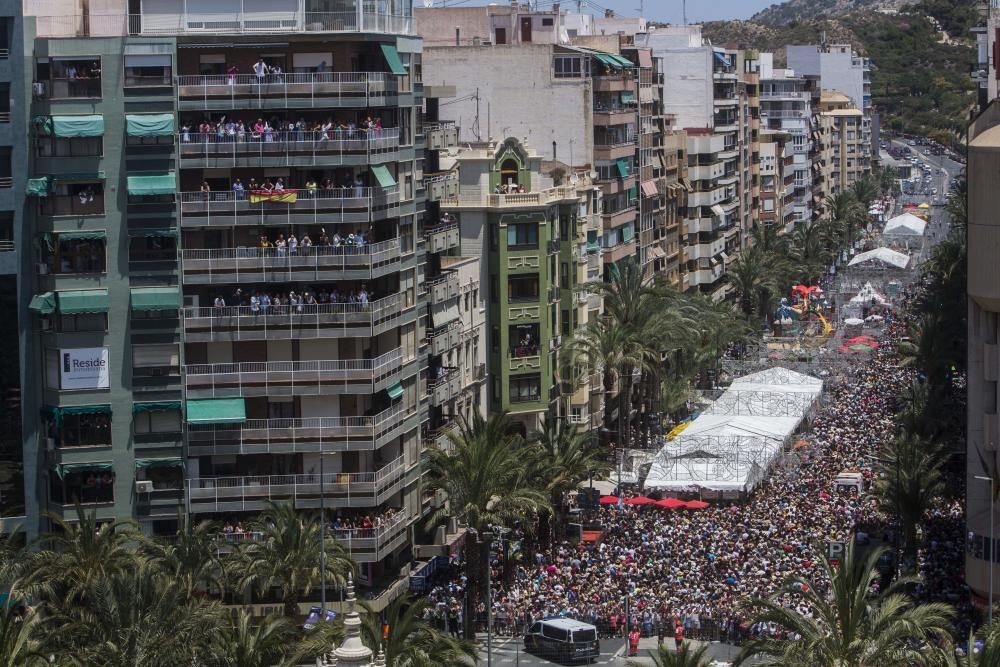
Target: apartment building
(533,232)
(777,181)
(230,304)
(786,107)
(840,68)
(847,140)
(512,23)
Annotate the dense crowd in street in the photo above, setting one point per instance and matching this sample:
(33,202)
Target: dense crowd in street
(655,567)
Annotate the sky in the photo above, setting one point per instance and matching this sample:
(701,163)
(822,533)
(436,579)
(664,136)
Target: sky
(658,10)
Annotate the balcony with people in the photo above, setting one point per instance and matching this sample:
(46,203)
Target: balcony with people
(332,251)
(282,139)
(524,352)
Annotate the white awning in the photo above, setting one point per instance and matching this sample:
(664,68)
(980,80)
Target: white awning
(884,255)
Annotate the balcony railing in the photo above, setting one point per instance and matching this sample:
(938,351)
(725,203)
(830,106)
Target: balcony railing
(308,89)
(351,204)
(292,436)
(444,287)
(370,545)
(516,200)
(292,378)
(324,320)
(442,237)
(71,205)
(264,264)
(285,146)
(340,489)
(445,388)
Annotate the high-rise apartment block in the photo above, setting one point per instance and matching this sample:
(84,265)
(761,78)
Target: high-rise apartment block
(848,142)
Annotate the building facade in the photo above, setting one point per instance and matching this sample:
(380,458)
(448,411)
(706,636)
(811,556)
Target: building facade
(777,181)
(848,142)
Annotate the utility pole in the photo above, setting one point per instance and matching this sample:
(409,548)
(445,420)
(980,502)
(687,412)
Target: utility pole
(684,7)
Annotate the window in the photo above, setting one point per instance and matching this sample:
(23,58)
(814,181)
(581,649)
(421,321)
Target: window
(548,23)
(81,322)
(522,288)
(84,486)
(155,360)
(768,204)
(570,67)
(767,183)
(522,236)
(70,77)
(164,478)
(84,430)
(6,231)
(148,70)
(152,249)
(147,422)
(73,198)
(76,256)
(69,146)
(525,389)
(523,340)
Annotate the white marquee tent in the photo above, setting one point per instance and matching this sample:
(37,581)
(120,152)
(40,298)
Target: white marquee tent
(906,224)
(881,257)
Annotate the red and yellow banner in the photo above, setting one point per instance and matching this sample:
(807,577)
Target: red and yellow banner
(259,196)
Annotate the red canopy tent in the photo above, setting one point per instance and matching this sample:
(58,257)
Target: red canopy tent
(696,504)
(671,503)
(608,500)
(640,500)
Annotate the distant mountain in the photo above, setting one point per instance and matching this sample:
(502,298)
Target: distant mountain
(793,11)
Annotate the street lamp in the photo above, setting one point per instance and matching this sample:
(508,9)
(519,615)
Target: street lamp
(992,543)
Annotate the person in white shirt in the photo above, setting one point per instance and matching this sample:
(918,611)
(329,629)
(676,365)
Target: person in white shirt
(293,244)
(260,69)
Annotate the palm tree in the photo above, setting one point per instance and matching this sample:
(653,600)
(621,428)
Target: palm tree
(865,190)
(911,478)
(932,348)
(808,252)
(958,205)
(192,557)
(20,636)
(844,624)
(565,457)
(287,556)
(846,213)
(686,657)
(485,477)
(77,554)
(752,276)
(246,642)
(409,640)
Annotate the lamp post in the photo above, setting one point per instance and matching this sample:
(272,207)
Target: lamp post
(992,544)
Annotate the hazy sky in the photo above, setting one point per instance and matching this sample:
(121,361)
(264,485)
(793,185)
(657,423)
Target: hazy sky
(659,10)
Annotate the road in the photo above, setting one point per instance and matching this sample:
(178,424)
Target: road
(509,652)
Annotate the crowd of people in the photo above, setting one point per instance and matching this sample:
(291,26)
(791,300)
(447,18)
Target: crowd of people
(654,569)
(229,130)
(282,301)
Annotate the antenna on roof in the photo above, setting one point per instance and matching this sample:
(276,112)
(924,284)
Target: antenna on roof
(684,6)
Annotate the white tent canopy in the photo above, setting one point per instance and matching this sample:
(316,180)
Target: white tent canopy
(870,295)
(733,443)
(889,258)
(906,224)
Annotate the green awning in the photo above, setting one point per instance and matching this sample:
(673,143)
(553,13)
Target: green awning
(608,60)
(216,411)
(627,233)
(43,125)
(159,463)
(392,59)
(83,235)
(58,412)
(84,301)
(39,187)
(162,406)
(63,468)
(43,304)
(156,298)
(395,391)
(159,184)
(68,127)
(159,232)
(628,97)
(383,176)
(621,60)
(633,193)
(150,125)
(622,165)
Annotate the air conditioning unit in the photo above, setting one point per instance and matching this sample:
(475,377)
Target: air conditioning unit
(40,89)
(143,486)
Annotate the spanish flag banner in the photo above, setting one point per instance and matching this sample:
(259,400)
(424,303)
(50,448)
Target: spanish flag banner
(287,197)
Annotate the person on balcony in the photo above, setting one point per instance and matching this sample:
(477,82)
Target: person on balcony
(231,72)
(185,134)
(238,191)
(279,184)
(206,189)
(311,187)
(293,244)
(359,187)
(260,69)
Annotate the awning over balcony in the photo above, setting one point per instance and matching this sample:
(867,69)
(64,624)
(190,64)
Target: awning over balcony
(622,165)
(62,469)
(392,59)
(76,302)
(69,127)
(627,233)
(645,58)
(162,406)
(159,463)
(216,411)
(657,252)
(649,189)
(150,125)
(608,60)
(155,184)
(43,304)
(155,298)
(395,391)
(718,211)
(56,413)
(159,232)
(38,187)
(82,235)
(383,176)
(721,58)
(621,60)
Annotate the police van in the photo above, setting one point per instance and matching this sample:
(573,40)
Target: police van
(563,639)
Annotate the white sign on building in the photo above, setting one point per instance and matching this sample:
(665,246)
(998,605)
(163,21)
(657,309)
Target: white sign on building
(84,368)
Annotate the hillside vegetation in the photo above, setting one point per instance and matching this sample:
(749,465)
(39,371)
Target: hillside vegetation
(922,56)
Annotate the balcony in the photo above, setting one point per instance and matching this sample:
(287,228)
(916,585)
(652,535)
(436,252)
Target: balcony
(445,338)
(443,237)
(291,207)
(614,151)
(371,545)
(619,217)
(287,91)
(293,436)
(230,265)
(445,388)
(326,320)
(516,200)
(295,148)
(441,135)
(293,378)
(340,489)
(613,115)
(442,186)
(443,288)
(524,358)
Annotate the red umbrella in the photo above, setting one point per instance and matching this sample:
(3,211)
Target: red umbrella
(696,504)
(671,503)
(640,500)
(608,500)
